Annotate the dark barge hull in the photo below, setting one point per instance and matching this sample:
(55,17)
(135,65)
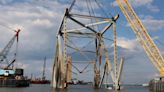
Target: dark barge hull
(14,83)
(40,82)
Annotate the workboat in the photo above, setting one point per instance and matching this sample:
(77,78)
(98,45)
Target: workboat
(42,80)
(13,78)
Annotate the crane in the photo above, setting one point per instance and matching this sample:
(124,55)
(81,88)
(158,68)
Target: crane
(6,50)
(142,35)
(44,68)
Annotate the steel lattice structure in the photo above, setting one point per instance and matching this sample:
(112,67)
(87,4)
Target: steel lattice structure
(62,66)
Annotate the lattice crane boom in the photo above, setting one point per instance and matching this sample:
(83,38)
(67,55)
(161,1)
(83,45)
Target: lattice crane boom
(5,51)
(142,35)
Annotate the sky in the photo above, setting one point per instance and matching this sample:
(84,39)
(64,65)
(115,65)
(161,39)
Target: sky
(39,21)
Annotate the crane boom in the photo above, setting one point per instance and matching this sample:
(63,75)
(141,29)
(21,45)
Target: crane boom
(7,67)
(44,66)
(5,51)
(142,35)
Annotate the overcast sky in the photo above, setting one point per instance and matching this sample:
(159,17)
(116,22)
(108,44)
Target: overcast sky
(39,21)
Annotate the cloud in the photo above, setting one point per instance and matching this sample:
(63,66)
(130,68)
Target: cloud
(140,3)
(153,8)
(38,25)
(129,44)
(39,22)
(153,24)
(25,14)
(42,22)
(5,1)
(135,60)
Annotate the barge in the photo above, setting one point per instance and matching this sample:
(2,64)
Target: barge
(13,78)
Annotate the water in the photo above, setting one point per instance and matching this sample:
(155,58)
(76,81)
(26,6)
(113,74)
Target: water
(73,88)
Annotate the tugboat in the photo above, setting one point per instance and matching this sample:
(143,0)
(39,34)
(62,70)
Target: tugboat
(42,80)
(10,77)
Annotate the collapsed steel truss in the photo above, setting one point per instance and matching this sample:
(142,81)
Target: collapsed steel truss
(62,69)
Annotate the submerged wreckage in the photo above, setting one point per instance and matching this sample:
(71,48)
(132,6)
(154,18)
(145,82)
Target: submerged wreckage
(62,69)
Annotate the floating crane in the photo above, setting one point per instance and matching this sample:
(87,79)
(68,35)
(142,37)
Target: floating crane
(9,76)
(142,35)
(6,50)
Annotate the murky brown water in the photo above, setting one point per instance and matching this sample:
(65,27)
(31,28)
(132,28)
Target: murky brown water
(72,88)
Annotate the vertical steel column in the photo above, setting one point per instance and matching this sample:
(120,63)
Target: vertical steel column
(55,73)
(65,61)
(60,65)
(116,83)
(69,70)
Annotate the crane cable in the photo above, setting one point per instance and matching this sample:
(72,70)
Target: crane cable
(99,5)
(86,57)
(3,25)
(91,19)
(83,47)
(82,71)
(90,10)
